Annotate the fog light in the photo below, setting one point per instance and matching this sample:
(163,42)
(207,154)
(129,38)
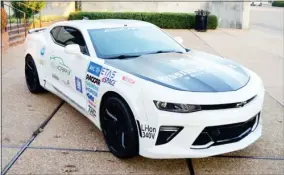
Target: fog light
(167,133)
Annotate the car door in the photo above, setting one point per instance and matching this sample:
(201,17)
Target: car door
(68,71)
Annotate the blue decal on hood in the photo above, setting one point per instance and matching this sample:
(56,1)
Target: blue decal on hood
(195,71)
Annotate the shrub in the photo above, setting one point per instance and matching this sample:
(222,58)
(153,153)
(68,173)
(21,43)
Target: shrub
(278,3)
(49,18)
(164,20)
(4,17)
(212,22)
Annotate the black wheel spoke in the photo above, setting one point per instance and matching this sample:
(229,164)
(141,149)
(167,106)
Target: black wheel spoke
(110,115)
(123,140)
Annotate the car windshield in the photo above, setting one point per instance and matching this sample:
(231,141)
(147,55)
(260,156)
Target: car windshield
(132,42)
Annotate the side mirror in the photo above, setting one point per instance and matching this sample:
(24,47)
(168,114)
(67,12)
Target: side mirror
(179,40)
(73,49)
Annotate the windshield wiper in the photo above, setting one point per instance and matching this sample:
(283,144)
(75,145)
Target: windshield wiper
(123,56)
(165,51)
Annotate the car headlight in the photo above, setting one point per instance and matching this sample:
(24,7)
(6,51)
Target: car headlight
(176,107)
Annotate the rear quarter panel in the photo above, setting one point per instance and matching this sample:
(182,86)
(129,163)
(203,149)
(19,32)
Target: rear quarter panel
(36,45)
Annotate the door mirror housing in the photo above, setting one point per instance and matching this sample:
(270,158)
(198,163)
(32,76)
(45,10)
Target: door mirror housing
(73,49)
(179,39)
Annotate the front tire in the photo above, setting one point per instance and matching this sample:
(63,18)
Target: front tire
(119,128)
(31,76)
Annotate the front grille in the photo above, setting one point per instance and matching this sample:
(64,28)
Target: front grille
(224,134)
(226,106)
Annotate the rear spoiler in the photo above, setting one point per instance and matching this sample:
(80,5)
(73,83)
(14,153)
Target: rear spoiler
(36,30)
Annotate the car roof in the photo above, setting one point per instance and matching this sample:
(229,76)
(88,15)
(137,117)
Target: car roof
(102,23)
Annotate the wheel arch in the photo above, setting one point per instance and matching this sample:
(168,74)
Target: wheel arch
(111,94)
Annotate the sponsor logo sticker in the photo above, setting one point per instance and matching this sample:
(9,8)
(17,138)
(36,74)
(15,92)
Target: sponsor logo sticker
(58,65)
(78,84)
(128,80)
(92,91)
(91,85)
(66,82)
(42,51)
(94,69)
(93,79)
(41,62)
(93,104)
(55,76)
(108,76)
(186,74)
(90,97)
(91,111)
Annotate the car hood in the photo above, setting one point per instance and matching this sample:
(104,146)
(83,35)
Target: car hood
(193,71)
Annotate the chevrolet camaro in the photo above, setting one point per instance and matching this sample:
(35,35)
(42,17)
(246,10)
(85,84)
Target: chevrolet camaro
(146,92)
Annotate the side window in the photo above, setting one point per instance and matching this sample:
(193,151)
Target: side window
(69,35)
(54,32)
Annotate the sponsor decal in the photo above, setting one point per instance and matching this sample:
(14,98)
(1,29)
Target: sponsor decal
(42,51)
(119,29)
(91,85)
(146,131)
(55,76)
(94,69)
(78,84)
(232,66)
(128,80)
(41,62)
(108,76)
(93,79)
(91,111)
(186,74)
(108,81)
(93,104)
(66,82)
(92,91)
(90,97)
(58,65)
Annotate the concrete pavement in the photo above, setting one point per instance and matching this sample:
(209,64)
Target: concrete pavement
(69,142)
(267,19)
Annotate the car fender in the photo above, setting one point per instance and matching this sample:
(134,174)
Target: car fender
(127,86)
(36,46)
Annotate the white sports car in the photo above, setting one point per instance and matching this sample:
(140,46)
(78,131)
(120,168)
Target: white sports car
(147,93)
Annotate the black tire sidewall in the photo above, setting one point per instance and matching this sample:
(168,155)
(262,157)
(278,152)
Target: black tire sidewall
(129,120)
(36,87)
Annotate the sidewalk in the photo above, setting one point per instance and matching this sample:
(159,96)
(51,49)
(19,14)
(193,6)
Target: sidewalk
(71,144)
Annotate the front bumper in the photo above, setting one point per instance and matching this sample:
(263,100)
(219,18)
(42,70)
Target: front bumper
(181,146)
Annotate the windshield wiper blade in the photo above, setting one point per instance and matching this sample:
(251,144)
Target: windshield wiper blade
(123,56)
(165,51)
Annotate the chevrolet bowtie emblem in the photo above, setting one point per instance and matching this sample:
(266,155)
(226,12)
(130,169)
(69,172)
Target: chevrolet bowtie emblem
(241,104)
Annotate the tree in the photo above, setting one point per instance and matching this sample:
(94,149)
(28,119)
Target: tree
(29,7)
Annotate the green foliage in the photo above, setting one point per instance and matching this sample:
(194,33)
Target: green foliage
(29,7)
(49,18)
(278,3)
(212,22)
(164,20)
